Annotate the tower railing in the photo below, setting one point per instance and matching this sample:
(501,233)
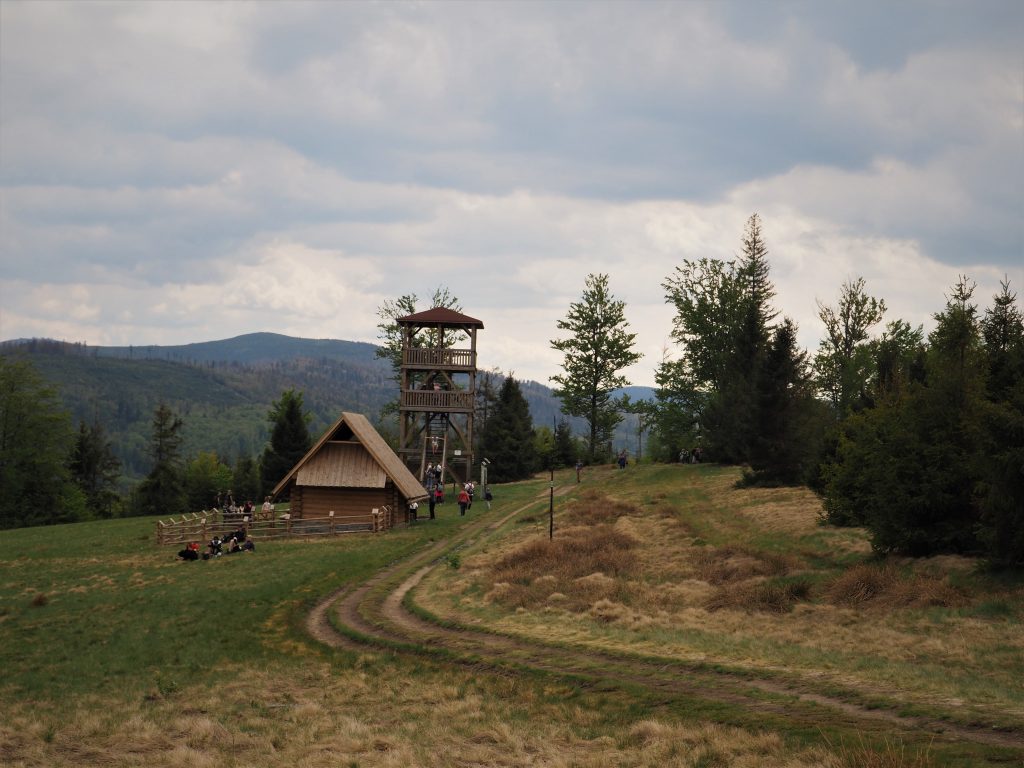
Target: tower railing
(428,357)
(437,400)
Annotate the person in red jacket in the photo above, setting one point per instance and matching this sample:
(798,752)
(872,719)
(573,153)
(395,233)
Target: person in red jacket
(463,501)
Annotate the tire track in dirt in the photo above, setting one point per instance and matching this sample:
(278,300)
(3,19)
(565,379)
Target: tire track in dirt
(375,613)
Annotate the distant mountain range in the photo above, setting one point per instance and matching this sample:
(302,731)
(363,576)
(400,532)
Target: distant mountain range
(223,390)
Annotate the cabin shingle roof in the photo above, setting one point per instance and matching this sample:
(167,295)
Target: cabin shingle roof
(353,454)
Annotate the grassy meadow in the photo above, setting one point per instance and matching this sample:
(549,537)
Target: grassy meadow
(115,653)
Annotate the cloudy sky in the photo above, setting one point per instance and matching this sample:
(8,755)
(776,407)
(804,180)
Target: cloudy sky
(188,171)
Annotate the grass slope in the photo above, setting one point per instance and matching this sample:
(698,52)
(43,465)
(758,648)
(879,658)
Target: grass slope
(116,654)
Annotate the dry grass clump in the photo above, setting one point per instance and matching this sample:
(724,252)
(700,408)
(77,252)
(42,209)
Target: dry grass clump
(593,507)
(725,565)
(887,586)
(763,596)
(579,565)
(893,754)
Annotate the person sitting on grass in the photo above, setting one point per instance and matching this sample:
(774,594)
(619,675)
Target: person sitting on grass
(215,547)
(191,552)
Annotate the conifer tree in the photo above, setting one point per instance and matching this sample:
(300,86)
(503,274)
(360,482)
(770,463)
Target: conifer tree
(95,469)
(289,439)
(162,492)
(508,439)
(786,429)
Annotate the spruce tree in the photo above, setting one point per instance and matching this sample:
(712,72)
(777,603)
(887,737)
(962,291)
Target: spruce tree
(162,492)
(1001,490)
(786,429)
(289,439)
(507,441)
(95,469)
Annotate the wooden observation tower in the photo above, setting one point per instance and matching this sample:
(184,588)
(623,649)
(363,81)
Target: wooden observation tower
(438,395)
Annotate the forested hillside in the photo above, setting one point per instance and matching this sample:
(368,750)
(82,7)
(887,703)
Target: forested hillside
(223,390)
(223,403)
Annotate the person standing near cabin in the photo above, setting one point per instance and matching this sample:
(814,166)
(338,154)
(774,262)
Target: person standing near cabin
(463,501)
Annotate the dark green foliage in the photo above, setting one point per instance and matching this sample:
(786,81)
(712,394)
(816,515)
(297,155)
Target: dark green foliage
(1002,487)
(723,324)
(597,348)
(844,364)
(1002,330)
(486,396)
(246,481)
(95,469)
(936,466)
(1002,491)
(508,439)
(787,431)
(163,490)
(567,452)
(899,360)
(35,442)
(206,478)
(677,407)
(289,439)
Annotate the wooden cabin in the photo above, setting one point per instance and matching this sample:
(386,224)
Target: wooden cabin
(350,471)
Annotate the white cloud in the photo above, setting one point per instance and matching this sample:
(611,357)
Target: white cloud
(173,172)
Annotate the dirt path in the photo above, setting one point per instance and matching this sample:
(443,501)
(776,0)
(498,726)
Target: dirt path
(375,612)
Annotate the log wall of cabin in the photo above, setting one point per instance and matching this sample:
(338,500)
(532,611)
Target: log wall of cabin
(345,502)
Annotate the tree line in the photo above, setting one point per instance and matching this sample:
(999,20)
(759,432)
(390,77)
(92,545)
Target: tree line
(52,473)
(919,438)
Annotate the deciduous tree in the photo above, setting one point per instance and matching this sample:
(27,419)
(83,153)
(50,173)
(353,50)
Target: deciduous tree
(844,362)
(35,440)
(723,322)
(598,348)
(390,333)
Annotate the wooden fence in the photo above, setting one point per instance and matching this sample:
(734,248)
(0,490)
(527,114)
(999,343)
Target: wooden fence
(203,526)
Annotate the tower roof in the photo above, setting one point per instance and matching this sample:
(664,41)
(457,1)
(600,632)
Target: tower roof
(440,316)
